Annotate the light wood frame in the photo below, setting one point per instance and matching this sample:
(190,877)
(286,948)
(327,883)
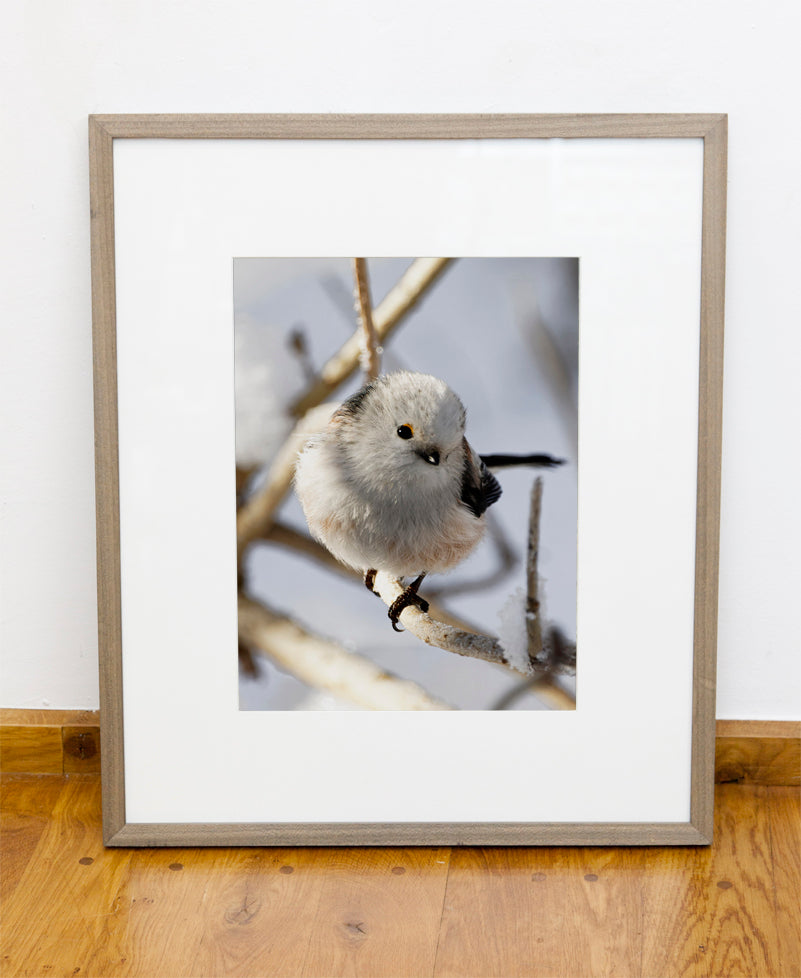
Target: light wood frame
(103,131)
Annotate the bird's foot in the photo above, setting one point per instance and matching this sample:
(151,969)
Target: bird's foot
(409,597)
(369,581)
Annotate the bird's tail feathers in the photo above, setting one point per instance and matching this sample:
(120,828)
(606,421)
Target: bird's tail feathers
(538,461)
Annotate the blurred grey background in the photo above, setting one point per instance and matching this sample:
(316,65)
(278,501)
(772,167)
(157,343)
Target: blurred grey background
(503,333)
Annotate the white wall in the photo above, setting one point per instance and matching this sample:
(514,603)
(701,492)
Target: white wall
(63,61)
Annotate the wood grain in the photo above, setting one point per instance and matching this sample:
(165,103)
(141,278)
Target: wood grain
(26,748)
(242,911)
(758,752)
(26,804)
(406,126)
(80,750)
(65,913)
(48,718)
(707,506)
(378,913)
(73,908)
(565,912)
(784,807)
(107,481)
(49,741)
(712,912)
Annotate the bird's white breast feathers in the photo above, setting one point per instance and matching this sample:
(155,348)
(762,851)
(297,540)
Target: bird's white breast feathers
(405,532)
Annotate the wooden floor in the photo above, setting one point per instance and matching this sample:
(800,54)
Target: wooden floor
(72,908)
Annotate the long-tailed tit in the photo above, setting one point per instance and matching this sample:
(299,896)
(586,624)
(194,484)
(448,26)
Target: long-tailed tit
(392,484)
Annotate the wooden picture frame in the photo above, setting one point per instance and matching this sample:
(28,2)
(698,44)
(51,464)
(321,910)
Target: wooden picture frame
(123,826)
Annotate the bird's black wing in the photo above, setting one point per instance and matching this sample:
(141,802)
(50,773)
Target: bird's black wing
(480,488)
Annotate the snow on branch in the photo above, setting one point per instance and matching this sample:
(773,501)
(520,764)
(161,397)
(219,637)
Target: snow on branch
(543,684)
(437,633)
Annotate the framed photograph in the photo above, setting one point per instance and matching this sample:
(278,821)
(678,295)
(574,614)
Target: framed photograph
(470,364)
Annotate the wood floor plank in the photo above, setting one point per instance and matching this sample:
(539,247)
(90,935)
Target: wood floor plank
(542,912)
(26,804)
(63,915)
(221,912)
(709,912)
(379,912)
(741,919)
(696,912)
(785,832)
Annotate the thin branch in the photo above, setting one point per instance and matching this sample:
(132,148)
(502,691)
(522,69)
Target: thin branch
(370,354)
(323,664)
(533,618)
(400,300)
(437,633)
(285,536)
(255,516)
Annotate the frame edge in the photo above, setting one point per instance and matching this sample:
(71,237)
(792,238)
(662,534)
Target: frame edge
(104,346)
(103,129)
(710,413)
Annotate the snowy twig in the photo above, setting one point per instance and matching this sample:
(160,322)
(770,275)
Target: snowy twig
(323,664)
(285,536)
(411,287)
(437,633)
(370,354)
(255,516)
(544,687)
(533,619)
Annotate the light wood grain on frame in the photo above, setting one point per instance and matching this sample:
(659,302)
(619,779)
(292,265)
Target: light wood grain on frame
(410,834)
(104,338)
(707,516)
(458,126)
(712,129)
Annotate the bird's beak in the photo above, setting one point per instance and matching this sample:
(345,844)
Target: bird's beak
(430,456)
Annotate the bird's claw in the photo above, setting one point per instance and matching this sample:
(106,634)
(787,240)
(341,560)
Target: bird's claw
(403,601)
(369,582)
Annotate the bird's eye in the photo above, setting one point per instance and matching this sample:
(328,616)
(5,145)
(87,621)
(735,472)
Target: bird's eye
(405,431)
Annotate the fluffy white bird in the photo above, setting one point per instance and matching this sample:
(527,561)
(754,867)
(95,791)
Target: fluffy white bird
(392,484)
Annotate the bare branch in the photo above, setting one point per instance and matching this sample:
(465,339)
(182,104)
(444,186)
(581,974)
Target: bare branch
(543,687)
(437,633)
(323,664)
(400,300)
(255,516)
(370,354)
(533,619)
